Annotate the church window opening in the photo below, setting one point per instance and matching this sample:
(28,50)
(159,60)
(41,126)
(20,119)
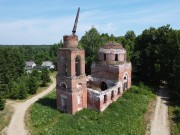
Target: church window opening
(112,94)
(119,91)
(116,57)
(105,98)
(78,65)
(104,56)
(63,85)
(64,66)
(103,86)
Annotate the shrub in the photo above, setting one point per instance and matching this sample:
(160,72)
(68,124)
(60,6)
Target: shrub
(2,101)
(32,85)
(45,77)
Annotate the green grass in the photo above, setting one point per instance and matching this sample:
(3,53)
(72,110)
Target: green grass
(174,113)
(124,117)
(5,116)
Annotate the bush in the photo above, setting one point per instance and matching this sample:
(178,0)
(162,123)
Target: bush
(45,77)
(2,101)
(32,85)
(22,91)
(14,94)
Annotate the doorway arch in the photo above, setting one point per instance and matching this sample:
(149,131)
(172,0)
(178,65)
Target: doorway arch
(103,86)
(125,82)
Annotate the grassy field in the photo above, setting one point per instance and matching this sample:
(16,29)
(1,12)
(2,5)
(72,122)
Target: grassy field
(5,117)
(174,113)
(124,117)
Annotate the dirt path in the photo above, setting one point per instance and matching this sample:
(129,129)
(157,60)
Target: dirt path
(17,123)
(160,121)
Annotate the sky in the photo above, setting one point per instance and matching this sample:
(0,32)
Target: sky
(27,22)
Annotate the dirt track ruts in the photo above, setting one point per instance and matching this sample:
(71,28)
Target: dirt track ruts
(160,121)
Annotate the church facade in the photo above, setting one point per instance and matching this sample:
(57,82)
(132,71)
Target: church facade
(109,78)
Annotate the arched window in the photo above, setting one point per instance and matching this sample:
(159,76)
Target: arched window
(78,65)
(105,98)
(63,85)
(119,92)
(103,86)
(116,57)
(64,66)
(104,56)
(112,94)
(125,82)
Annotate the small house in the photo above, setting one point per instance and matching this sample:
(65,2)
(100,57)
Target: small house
(47,64)
(30,65)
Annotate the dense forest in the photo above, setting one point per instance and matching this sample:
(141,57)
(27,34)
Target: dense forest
(155,57)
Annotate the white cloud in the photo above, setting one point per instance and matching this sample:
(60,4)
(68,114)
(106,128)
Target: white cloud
(51,30)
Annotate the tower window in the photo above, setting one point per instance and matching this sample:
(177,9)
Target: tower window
(104,56)
(64,66)
(78,65)
(65,61)
(116,57)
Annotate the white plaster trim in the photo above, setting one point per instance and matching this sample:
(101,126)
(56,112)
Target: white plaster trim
(114,51)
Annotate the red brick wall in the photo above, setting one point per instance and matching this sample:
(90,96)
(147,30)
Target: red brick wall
(72,92)
(110,57)
(97,102)
(70,41)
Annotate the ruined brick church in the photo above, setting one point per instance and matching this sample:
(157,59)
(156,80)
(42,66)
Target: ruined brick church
(109,78)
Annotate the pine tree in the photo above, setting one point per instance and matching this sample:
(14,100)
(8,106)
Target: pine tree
(22,91)
(45,77)
(2,101)
(32,85)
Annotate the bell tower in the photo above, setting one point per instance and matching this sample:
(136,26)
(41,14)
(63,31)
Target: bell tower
(71,90)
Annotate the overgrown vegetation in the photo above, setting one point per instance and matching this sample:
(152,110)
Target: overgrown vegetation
(5,116)
(125,116)
(174,112)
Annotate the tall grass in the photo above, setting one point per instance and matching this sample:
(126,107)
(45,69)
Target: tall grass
(5,116)
(174,113)
(123,117)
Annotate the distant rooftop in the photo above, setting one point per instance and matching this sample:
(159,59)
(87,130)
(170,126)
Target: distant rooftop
(46,64)
(29,63)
